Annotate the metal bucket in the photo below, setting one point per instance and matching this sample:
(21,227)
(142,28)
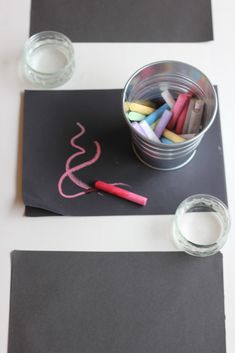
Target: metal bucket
(147,84)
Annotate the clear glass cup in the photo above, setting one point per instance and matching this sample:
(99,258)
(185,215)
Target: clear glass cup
(201,225)
(48,59)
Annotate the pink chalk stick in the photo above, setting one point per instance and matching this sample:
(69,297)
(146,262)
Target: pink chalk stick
(122,193)
(177,109)
(181,118)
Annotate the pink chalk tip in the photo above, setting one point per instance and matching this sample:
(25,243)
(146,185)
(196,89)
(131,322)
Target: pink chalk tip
(119,192)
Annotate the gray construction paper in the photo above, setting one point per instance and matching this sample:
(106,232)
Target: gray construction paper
(68,302)
(50,122)
(124,21)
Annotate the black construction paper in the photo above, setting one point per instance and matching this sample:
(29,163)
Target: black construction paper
(116,302)
(50,122)
(124,21)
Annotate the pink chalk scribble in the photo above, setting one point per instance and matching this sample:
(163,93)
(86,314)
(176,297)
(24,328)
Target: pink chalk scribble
(69,171)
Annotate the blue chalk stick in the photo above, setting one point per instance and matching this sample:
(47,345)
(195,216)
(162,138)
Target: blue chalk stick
(166,141)
(151,118)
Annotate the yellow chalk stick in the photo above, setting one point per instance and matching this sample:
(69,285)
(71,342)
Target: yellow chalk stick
(172,136)
(142,109)
(141,102)
(146,103)
(126,106)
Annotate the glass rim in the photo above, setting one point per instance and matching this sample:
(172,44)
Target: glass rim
(226,227)
(33,39)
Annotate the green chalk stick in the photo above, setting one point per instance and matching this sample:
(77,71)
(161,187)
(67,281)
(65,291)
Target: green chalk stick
(133,116)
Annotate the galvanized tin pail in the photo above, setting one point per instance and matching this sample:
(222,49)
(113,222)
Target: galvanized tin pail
(147,84)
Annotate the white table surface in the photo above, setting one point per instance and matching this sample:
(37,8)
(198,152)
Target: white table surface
(105,65)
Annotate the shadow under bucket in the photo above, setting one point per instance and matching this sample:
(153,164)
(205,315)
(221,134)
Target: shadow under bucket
(147,84)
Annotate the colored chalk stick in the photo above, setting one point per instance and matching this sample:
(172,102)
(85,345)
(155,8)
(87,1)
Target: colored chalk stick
(142,109)
(187,136)
(139,129)
(126,106)
(163,121)
(181,119)
(196,117)
(122,193)
(153,126)
(148,131)
(168,98)
(133,116)
(177,109)
(147,103)
(172,136)
(188,115)
(166,141)
(156,114)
